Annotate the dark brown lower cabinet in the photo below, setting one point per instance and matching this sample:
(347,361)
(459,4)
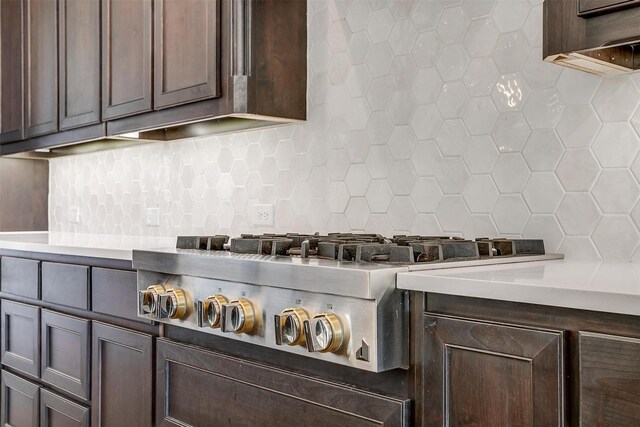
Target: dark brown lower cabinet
(197,387)
(488,374)
(20,401)
(21,337)
(56,411)
(121,377)
(609,380)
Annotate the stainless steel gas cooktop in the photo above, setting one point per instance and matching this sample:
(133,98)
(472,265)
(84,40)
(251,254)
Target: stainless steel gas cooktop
(331,297)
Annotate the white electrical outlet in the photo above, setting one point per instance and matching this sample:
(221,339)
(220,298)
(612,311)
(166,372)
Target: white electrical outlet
(262,215)
(152,217)
(74,215)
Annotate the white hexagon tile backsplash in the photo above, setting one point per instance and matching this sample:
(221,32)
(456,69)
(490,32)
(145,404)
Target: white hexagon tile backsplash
(424,117)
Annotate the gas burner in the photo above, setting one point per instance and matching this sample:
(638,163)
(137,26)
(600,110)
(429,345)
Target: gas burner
(370,248)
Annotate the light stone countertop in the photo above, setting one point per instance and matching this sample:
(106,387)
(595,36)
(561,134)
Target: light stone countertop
(612,287)
(83,245)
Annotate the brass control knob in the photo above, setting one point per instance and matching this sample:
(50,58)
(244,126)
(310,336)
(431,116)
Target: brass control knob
(173,304)
(209,311)
(148,300)
(324,333)
(289,326)
(238,316)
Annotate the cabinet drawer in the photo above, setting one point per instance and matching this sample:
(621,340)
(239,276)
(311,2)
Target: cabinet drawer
(609,380)
(21,337)
(66,284)
(114,292)
(65,353)
(20,277)
(56,411)
(248,394)
(20,401)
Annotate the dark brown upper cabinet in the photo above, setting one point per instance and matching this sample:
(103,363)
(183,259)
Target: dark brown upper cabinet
(186,51)
(11,51)
(597,7)
(41,74)
(126,57)
(79,66)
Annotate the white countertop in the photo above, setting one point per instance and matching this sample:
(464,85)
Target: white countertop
(612,287)
(84,245)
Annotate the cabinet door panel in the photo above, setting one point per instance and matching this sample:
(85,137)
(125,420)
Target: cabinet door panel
(588,8)
(491,374)
(79,53)
(114,292)
(121,371)
(20,401)
(20,277)
(609,380)
(65,353)
(56,411)
(186,51)
(11,60)
(21,337)
(42,68)
(197,387)
(126,57)
(66,284)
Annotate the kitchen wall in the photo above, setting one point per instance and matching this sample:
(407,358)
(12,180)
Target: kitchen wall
(424,117)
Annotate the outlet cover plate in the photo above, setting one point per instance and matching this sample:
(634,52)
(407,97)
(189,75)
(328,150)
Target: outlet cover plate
(152,217)
(262,215)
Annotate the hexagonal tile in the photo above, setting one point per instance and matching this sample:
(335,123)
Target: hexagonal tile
(481,155)
(579,248)
(379,224)
(338,223)
(358,15)
(615,237)
(577,170)
(544,227)
(544,108)
(401,106)
(379,127)
(425,225)
(543,150)
(510,132)
(453,138)
(480,193)
(426,121)
(401,177)
(338,36)
(239,172)
(452,175)
(285,183)
(478,8)
(452,213)
(337,164)
(578,214)
(452,63)
(402,142)
(357,146)
(511,51)
(379,93)
(635,214)
(480,225)
(319,57)
(338,9)
(379,196)
(426,158)
(480,115)
(426,85)
(426,14)
(481,76)
(510,92)
(577,87)
(426,194)
(358,80)
(379,160)
(339,67)
(357,180)
(318,26)
(319,182)
(532,27)
(510,15)
(452,100)
(510,173)
(403,72)
(402,36)
(358,48)
(380,25)
(510,214)
(358,113)
(401,213)
(578,126)
(616,99)
(357,213)
(337,197)
(635,121)
(379,59)
(426,49)
(452,25)
(616,191)
(540,74)
(481,37)
(616,145)
(543,192)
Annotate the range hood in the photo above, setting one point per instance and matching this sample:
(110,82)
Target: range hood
(597,36)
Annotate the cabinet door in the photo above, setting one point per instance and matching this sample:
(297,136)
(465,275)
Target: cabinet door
(21,337)
(20,276)
(588,8)
(197,387)
(186,36)
(20,401)
(65,353)
(12,71)
(79,71)
(477,373)
(56,411)
(609,380)
(126,57)
(121,377)
(66,284)
(41,53)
